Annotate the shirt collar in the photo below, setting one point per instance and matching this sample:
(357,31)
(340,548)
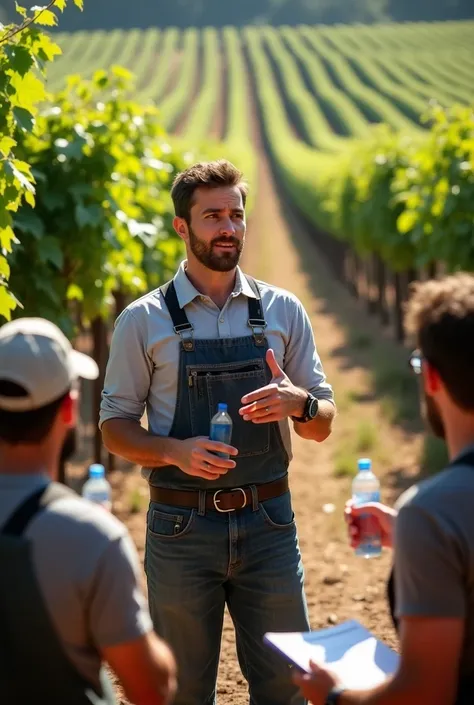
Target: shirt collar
(187,292)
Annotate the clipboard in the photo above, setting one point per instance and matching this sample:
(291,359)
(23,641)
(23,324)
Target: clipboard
(351,651)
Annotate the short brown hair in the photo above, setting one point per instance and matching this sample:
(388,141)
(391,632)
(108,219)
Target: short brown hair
(26,427)
(440,316)
(204,175)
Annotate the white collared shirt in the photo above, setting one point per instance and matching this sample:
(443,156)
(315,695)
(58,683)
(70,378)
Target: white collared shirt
(142,371)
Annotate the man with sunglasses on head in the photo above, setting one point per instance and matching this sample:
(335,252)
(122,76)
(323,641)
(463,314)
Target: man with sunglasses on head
(431,588)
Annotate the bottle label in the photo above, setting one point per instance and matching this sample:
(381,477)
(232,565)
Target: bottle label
(369,529)
(102,499)
(222,433)
(365,497)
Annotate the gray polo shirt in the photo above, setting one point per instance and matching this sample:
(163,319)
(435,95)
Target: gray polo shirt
(142,370)
(434,552)
(88,572)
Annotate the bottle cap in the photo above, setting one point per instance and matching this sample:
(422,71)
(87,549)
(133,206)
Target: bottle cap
(96,471)
(364,464)
(221,407)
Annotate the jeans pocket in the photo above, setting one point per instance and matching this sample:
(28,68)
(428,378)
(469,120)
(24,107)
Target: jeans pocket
(168,522)
(278,512)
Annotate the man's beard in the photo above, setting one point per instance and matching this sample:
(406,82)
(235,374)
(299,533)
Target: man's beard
(69,446)
(217,261)
(433,417)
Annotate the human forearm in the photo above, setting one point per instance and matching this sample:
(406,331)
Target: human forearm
(426,673)
(402,689)
(131,441)
(398,691)
(386,694)
(146,669)
(319,428)
(194,456)
(163,671)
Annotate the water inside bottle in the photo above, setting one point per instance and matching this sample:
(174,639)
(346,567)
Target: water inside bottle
(221,428)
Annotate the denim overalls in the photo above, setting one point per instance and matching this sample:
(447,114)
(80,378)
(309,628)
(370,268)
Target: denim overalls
(199,560)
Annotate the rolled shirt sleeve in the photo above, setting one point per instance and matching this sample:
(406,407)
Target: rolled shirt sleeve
(118,611)
(302,363)
(129,372)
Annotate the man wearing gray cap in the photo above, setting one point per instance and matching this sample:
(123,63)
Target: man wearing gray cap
(69,590)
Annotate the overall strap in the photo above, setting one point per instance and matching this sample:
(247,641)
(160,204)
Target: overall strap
(51,676)
(17,522)
(256,317)
(181,324)
(21,517)
(180,321)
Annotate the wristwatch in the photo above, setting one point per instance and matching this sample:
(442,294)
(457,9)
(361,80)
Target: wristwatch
(334,696)
(310,410)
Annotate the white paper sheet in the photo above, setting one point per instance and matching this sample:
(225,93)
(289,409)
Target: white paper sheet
(348,649)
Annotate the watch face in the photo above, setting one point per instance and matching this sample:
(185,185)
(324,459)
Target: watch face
(313,408)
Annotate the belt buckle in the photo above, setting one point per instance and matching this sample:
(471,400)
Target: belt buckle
(225,511)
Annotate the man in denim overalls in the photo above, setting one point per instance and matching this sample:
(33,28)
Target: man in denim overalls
(220,531)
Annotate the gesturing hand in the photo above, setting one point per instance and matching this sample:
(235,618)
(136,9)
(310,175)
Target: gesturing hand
(195,456)
(275,401)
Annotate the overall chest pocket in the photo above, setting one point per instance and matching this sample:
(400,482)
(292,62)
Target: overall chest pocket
(228,382)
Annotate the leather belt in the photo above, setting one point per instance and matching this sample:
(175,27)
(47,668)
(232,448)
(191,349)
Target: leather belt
(225,500)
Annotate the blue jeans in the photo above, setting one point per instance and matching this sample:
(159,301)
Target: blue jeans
(196,563)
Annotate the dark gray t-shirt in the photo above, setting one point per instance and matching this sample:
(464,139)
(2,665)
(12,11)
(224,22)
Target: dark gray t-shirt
(434,552)
(88,572)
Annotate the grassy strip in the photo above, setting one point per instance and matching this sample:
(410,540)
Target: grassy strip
(200,120)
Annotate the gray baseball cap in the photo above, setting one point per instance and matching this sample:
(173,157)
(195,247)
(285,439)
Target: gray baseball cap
(35,354)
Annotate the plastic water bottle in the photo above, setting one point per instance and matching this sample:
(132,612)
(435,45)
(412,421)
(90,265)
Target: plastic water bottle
(97,489)
(221,428)
(366,488)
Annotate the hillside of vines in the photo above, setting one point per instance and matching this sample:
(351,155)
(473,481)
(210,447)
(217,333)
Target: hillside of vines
(332,103)
(113,14)
(323,86)
(404,65)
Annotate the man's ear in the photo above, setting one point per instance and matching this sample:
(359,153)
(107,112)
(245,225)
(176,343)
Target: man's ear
(69,409)
(181,228)
(431,379)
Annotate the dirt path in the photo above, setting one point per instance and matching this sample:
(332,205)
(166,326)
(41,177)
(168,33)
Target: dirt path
(338,585)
